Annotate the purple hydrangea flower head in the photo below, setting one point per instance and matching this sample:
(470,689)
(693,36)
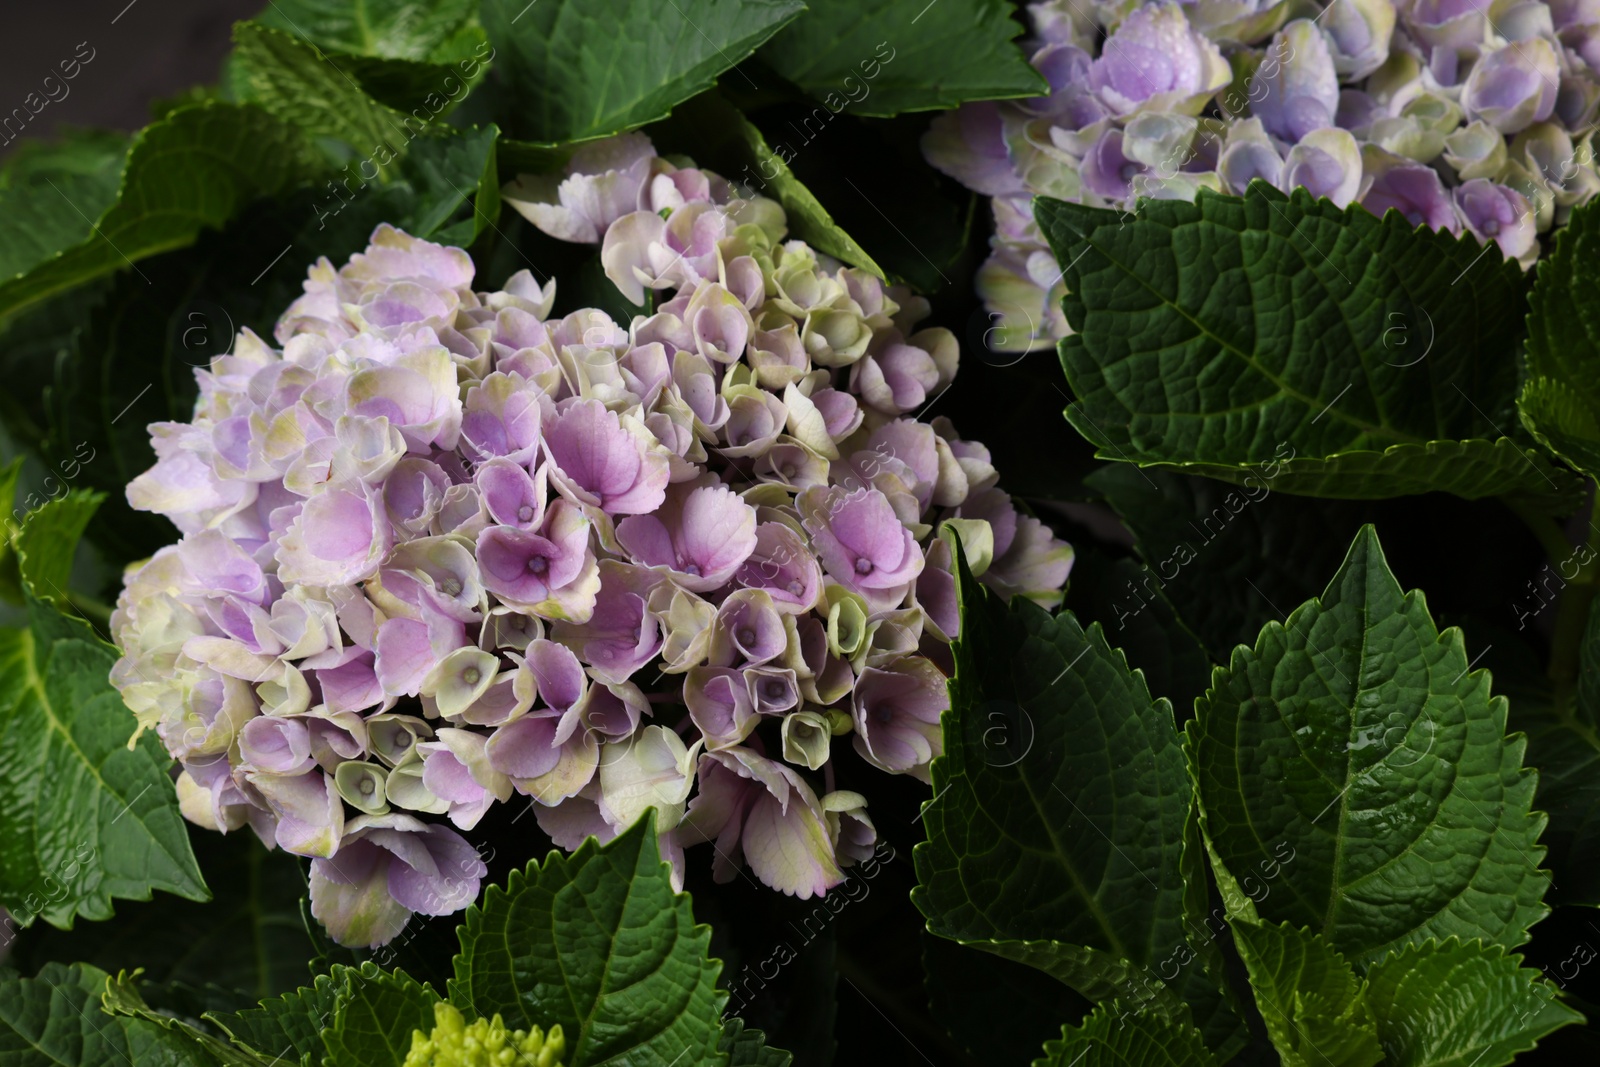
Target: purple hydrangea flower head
(441,549)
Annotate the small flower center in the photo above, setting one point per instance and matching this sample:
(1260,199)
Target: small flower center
(525,513)
(775,690)
(1129,170)
(538,565)
(451,587)
(403,741)
(471,675)
(692,569)
(1491,228)
(519,622)
(366,787)
(796,588)
(863,566)
(746,636)
(882,715)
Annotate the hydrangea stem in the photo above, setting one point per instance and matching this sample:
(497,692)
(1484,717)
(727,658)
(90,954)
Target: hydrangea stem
(1577,594)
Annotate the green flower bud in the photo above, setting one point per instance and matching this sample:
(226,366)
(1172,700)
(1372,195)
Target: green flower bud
(805,739)
(404,789)
(847,621)
(393,738)
(1476,150)
(840,721)
(483,1043)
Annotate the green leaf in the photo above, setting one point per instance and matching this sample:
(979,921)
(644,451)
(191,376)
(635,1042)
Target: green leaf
(1059,803)
(1355,737)
(748,1048)
(392,29)
(289,1025)
(1560,401)
(1364,357)
(1117,1036)
(300,84)
(192,170)
(55,1020)
(84,817)
(249,937)
(869,57)
(582,69)
(121,998)
(447,170)
(1228,557)
(51,193)
(1313,1004)
(47,541)
(1460,1005)
(599,944)
(376,1014)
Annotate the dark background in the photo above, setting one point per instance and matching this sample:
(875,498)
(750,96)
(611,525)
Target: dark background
(155,48)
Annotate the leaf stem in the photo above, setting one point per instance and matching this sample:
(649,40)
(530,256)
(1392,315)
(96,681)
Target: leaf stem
(1577,590)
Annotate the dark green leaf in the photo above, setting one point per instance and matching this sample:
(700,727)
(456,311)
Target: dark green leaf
(303,86)
(84,817)
(1460,1005)
(1560,401)
(289,1026)
(1367,358)
(968,990)
(1355,776)
(1117,1036)
(51,193)
(1228,557)
(1059,803)
(55,1020)
(121,998)
(589,68)
(1314,1005)
(748,1048)
(376,1015)
(194,169)
(597,943)
(879,57)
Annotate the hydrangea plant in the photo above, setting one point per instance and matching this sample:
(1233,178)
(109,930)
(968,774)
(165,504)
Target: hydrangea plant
(1465,117)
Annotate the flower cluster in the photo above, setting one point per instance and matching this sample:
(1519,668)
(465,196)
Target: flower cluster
(454,1042)
(1461,116)
(440,548)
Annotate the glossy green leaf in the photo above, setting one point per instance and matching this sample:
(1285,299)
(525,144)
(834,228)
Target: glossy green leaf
(1560,401)
(1355,736)
(1314,1005)
(192,170)
(51,193)
(1460,1005)
(1117,1036)
(376,1015)
(1369,358)
(392,29)
(54,1020)
(1060,801)
(83,816)
(883,57)
(598,943)
(581,69)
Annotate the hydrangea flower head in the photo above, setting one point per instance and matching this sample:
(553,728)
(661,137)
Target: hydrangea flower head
(442,549)
(1461,118)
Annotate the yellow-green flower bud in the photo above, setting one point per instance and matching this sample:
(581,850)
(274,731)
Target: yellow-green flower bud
(454,1042)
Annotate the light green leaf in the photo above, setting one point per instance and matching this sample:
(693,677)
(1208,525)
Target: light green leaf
(392,29)
(1560,401)
(1117,1036)
(1313,1004)
(598,943)
(121,998)
(376,1015)
(1059,803)
(1367,358)
(590,68)
(84,817)
(1355,776)
(301,85)
(882,57)
(51,193)
(55,1020)
(192,170)
(1461,1005)
(47,541)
